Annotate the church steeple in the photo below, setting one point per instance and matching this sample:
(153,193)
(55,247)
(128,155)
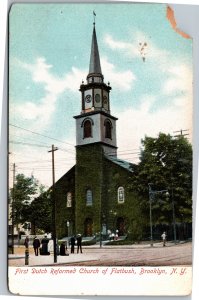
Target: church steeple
(95,94)
(95,124)
(94,66)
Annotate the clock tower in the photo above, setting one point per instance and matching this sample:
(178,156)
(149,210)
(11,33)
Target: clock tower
(95,124)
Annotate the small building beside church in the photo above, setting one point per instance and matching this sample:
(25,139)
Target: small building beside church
(94,195)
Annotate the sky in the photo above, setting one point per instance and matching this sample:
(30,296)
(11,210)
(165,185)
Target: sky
(148,65)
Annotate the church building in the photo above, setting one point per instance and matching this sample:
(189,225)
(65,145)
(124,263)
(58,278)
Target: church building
(94,195)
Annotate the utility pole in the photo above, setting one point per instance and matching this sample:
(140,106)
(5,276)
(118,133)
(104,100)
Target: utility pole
(54,204)
(101,199)
(181,132)
(13,197)
(150,214)
(173,214)
(152,193)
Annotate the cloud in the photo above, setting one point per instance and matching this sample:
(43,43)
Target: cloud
(179,79)
(131,49)
(140,46)
(43,73)
(41,110)
(135,124)
(123,80)
(180,82)
(176,76)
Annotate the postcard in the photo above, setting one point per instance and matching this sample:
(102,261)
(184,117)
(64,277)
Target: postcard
(100,150)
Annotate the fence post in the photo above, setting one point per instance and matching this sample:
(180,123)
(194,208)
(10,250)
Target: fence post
(27,256)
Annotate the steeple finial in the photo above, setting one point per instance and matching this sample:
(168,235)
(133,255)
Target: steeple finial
(94,15)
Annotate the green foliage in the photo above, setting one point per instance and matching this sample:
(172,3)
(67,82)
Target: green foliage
(22,193)
(166,164)
(120,242)
(41,213)
(89,242)
(29,208)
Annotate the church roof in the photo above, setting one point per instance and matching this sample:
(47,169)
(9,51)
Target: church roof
(122,163)
(94,66)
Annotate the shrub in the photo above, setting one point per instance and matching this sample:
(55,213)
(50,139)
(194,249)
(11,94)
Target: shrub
(89,243)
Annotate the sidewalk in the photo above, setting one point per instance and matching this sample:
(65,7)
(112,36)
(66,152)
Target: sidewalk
(139,252)
(48,260)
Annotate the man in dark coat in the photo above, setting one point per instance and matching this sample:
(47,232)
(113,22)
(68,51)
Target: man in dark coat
(36,245)
(79,243)
(26,242)
(72,244)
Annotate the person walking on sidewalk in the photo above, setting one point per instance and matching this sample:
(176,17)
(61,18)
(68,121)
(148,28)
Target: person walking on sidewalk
(26,242)
(79,243)
(163,236)
(36,245)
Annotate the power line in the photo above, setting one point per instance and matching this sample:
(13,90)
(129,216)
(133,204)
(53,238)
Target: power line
(15,135)
(41,161)
(63,166)
(41,135)
(28,144)
(38,145)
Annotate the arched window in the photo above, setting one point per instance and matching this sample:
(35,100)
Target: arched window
(120,194)
(89,198)
(69,199)
(87,129)
(108,129)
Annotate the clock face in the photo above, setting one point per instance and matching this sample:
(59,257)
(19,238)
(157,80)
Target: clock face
(88,98)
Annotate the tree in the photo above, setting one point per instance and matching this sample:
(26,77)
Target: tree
(41,212)
(31,203)
(165,164)
(22,193)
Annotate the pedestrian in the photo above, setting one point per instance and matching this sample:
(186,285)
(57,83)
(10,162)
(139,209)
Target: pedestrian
(163,236)
(62,249)
(36,245)
(79,243)
(26,242)
(72,244)
(44,247)
(112,236)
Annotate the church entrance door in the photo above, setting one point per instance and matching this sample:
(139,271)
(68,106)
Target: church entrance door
(88,227)
(120,226)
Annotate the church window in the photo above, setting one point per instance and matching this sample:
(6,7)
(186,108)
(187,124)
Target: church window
(89,198)
(108,129)
(120,194)
(87,129)
(69,199)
